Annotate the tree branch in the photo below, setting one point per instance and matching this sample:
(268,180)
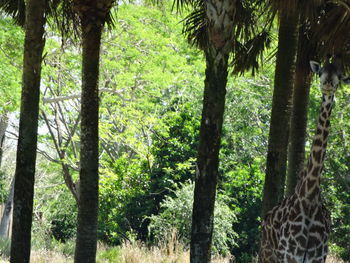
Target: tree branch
(77,96)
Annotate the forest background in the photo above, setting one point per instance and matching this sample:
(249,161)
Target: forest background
(151,86)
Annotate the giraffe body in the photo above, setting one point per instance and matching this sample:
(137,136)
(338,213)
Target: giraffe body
(296,231)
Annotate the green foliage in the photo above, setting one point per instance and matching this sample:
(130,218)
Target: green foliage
(11,50)
(110,255)
(242,157)
(134,189)
(3,186)
(118,192)
(176,215)
(55,213)
(174,149)
(5,247)
(148,128)
(65,248)
(243,185)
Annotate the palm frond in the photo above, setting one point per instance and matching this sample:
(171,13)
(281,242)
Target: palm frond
(332,31)
(15,9)
(250,34)
(111,17)
(195,28)
(63,18)
(248,55)
(305,8)
(66,20)
(181,5)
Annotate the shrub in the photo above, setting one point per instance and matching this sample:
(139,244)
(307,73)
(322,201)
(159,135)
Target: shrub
(176,215)
(66,248)
(109,255)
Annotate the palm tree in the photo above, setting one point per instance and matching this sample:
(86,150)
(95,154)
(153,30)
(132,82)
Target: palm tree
(31,14)
(216,27)
(28,127)
(289,16)
(93,15)
(282,93)
(298,122)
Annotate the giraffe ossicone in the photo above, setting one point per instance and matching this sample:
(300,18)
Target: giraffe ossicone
(296,230)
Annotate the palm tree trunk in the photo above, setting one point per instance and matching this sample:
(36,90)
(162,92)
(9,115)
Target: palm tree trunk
(208,159)
(86,243)
(297,138)
(220,16)
(28,126)
(280,115)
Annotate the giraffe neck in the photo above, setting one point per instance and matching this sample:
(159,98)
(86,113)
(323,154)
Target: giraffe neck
(309,183)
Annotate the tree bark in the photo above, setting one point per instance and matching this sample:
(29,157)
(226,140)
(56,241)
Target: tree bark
(298,125)
(208,159)
(220,15)
(86,242)
(5,219)
(28,126)
(280,114)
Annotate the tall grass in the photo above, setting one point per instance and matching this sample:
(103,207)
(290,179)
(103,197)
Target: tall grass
(140,253)
(133,253)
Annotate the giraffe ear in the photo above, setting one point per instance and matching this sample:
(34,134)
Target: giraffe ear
(315,66)
(346,80)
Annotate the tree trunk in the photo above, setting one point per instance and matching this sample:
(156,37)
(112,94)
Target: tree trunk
(280,115)
(220,33)
(3,127)
(86,243)
(5,219)
(208,159)
(28,126)
(297,138)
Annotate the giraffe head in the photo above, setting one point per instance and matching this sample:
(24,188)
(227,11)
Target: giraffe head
(330,76)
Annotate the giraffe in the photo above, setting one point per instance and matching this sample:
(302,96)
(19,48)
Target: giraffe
(296,230)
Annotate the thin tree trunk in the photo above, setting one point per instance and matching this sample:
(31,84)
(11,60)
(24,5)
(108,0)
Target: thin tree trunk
(3,127)
(297,138)
(28,127)
(86,244)
(6,216)
(280,115)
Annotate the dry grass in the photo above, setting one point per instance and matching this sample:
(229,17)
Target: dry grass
(171,253)
(44,256)
(333,259)
(136,253)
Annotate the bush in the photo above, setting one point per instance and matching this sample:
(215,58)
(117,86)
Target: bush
(66,248)
(176,215)
(243,185)
(109,255)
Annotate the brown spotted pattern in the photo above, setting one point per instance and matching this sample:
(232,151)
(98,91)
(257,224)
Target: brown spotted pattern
(296,231)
